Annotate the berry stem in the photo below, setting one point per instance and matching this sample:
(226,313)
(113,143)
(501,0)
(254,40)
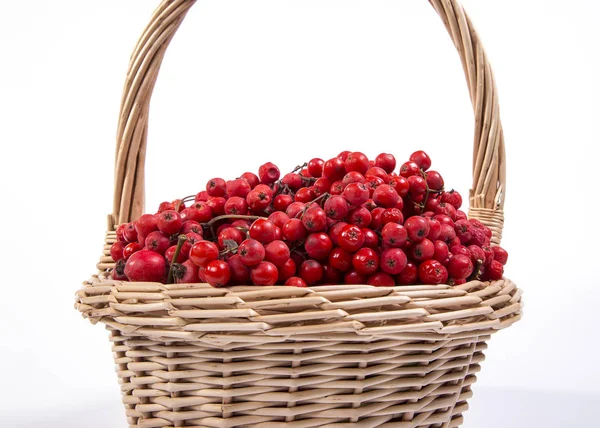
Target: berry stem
(180,241)
(299,167)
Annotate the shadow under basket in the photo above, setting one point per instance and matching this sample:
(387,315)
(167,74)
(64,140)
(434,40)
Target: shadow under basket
(190,355)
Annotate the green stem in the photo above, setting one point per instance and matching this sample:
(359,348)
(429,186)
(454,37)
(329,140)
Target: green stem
(180,241)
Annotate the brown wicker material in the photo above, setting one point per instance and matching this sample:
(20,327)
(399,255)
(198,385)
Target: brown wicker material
(196,356)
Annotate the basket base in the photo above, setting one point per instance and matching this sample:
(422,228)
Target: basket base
(309,383)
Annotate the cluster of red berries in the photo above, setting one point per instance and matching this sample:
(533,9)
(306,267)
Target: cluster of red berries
(347,220)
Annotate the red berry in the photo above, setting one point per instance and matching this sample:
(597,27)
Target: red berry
(335,230)
(417,228)
(441,251)
(191,226)
(464,230)
(340,259)
(281,202)
(500,254)
(165,206)
(295,281)
(477,254)
(394,235)
(376,214)
(158,242)
(315,219)
(251,178)
(146,266)
(356,161)
(259,198)
(227,235)
(277,252)
(434,180)
(391,215)
(182,257)
(386,196)
(203,252)
(453,198)
(305,194)
(393,261)
(293,230)
(417,187)
(318,245)
(268,173)
(216,187)
(446,209)
(295,209)
(337,187)
(265,273)
(200,197)
(236,205)
(263,230)
(353,177)
(460,249)
(378,172)
(400,184)
(315,167)
(199,212)
(169,222)
(147,224)
(251,252)
(360,216)
(130,233)
(409,169)
(131,248)
(240,273)
(116,251)
(186,273)
(422,250)
(371,238)
(217,273)
(216,205)
(494,270)
(336,207)
(421,159)
(121,233)
(460,266)
(331,275)
(344,155)
(366,261)
(287,270)
(279,218)
(334,169)
(322,185)
(351,238)
(409,275)
(386,161)
(434,229)
(373,183)
(311,271)
(381,279)
(192,238)
(238,187)
(447,233)
(432,272)
(353,277)
(356,193)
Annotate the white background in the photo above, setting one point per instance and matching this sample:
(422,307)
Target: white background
(246,82)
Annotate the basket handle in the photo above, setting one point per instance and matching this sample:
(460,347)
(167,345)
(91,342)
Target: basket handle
(486,196)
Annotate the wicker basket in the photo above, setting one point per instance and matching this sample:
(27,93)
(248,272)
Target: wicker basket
(196,356)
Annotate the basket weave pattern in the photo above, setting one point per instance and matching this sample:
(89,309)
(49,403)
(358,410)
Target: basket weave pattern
(401,356)
(343,355)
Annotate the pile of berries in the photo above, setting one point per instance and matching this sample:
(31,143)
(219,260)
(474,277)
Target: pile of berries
(347,220)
